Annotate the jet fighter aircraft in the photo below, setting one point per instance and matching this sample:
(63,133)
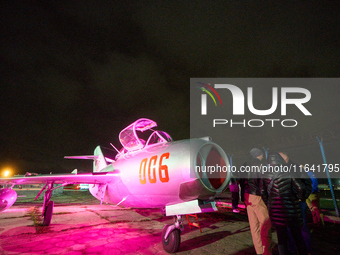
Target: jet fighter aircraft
(180,177)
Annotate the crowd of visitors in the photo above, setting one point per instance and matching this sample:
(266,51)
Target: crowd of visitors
(277,200)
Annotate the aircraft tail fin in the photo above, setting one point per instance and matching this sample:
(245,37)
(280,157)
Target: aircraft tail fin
(99,161)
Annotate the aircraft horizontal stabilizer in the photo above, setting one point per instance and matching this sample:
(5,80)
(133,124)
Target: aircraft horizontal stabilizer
(93,157)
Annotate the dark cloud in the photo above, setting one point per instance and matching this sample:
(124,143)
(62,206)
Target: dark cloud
(75,73)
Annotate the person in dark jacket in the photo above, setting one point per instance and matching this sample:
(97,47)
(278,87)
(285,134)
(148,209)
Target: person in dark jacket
(257,211)
(282,193)
(305,231)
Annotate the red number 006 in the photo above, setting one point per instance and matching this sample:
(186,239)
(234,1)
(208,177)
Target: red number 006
(151,167)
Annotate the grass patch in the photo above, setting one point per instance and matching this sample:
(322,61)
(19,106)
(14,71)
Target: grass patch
(60,213)
(35,216)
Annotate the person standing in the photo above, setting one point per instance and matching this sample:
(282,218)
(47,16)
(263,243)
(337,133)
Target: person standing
(282,193)
(235,197)
(257,211)
(313,202)
(305,231)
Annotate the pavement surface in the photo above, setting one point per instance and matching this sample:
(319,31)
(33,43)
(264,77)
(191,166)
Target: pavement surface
(81,226)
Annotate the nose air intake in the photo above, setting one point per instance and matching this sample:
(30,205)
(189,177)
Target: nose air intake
(209,171)
(212,167)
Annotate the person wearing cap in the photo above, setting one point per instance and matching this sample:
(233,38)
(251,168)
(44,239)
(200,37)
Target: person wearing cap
(257,211)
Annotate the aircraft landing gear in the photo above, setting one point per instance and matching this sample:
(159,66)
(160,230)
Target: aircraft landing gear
(47,210)
(48,213)
(171,235)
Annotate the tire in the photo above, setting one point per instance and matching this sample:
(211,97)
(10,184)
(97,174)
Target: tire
(48,213)
(171,244)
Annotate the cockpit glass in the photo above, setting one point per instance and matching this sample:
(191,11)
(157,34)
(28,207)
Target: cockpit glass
(129,138)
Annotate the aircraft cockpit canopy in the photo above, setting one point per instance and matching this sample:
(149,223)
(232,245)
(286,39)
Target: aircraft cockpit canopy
(128,137)
(159,137)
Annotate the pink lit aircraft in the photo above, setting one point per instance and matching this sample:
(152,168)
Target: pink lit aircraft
(152,173)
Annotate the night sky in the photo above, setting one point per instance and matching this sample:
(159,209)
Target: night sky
(75,73)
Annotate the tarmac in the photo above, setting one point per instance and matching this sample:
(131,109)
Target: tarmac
(80,225)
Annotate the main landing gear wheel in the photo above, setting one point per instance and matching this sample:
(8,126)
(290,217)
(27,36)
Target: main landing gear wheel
(48,213)
(171,244)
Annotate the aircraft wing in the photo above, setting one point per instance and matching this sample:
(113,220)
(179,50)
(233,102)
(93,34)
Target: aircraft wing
(8,196)
(86,178)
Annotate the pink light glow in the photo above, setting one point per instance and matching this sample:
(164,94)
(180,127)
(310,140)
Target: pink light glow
(92,240)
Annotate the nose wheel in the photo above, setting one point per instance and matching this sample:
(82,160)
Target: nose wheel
(171,235)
